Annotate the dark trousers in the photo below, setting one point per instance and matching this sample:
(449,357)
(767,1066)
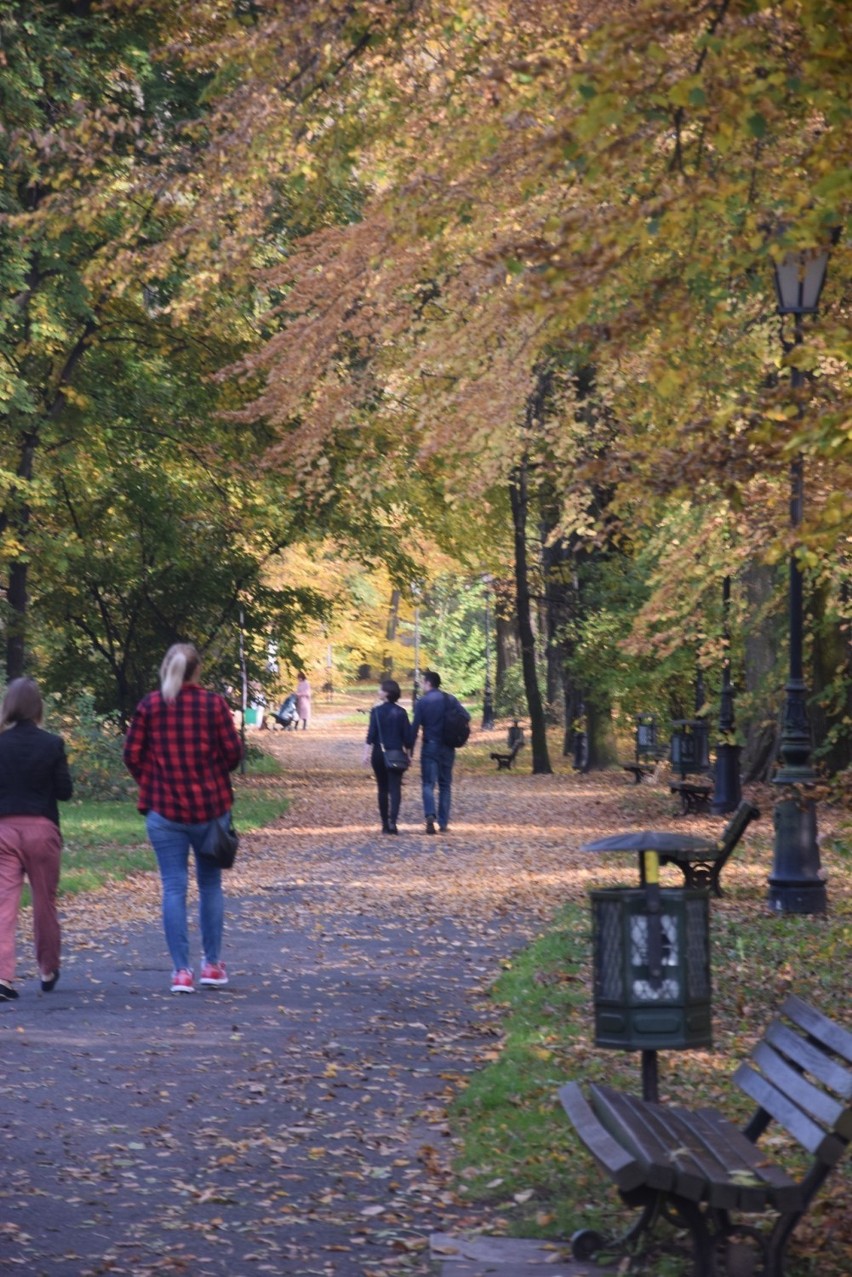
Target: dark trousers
(390,792)
(436,768)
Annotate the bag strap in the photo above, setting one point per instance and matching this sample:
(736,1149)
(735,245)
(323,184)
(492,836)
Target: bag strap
(379,727)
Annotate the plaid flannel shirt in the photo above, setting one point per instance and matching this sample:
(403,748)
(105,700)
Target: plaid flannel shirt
(181,753)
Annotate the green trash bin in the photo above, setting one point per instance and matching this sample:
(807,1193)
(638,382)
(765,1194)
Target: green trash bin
(637,1008)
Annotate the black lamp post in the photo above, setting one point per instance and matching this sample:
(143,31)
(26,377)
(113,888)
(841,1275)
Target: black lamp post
(488,699)
(727,791)
(415,694)
(243,690)
(796,884)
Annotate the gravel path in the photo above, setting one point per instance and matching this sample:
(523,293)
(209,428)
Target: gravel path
(294,1122)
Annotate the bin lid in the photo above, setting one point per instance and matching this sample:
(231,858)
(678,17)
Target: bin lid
(662,840)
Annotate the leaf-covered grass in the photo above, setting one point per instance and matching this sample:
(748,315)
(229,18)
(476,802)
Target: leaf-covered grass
(106,842)
(519,1153)
(514,1152)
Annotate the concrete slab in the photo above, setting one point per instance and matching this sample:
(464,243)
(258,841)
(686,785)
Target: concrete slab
(506,1257)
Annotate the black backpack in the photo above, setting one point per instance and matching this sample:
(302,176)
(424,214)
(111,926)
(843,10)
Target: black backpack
(455,728)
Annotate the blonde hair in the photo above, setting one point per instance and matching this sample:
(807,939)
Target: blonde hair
(180,663)
(22,703)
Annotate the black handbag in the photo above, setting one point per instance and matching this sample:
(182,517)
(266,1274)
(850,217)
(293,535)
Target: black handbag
(221,843)
(396,760)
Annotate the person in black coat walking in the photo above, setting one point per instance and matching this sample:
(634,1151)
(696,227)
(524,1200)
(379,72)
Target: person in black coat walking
(33,775)
(389,729)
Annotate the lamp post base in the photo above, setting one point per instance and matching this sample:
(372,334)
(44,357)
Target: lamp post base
(727,792)
(795,884)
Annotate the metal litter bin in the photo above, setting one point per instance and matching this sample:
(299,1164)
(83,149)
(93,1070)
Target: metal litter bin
(651,991)
(651,956)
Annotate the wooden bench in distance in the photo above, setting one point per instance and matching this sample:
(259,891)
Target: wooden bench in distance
(638,770)
(694,798)
(504,761)
(695,1168)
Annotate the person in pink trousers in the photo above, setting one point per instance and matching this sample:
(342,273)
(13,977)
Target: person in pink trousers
(33,776)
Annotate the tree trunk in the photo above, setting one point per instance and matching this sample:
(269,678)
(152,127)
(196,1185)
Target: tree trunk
(393,616)
(505,647)
(832,685)
(558,596)
(18,520)
(538,736)
(16,627)
(603,749)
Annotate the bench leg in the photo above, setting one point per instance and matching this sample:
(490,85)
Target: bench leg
(684,1214)
(587,1243)
(776,1247)
(709,1244)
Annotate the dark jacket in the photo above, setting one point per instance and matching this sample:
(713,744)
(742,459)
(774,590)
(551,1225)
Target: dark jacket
(429,715)
(396,729)
(33,772)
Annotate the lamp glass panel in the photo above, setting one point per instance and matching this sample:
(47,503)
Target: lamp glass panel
(814,277)
(798,281)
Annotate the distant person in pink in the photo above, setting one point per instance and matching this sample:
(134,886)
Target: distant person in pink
(303,699)
(33,775)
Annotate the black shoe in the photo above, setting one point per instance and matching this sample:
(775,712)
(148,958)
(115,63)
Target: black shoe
(430,825)
(392,829)
(49,983)
(7,993)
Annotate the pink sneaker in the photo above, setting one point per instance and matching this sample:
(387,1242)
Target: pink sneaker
(182,981)
(213,973)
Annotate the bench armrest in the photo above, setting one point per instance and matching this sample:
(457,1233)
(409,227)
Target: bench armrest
(625,1171)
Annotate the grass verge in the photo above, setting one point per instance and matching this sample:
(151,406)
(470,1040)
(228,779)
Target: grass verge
(105,841)
(519,1154)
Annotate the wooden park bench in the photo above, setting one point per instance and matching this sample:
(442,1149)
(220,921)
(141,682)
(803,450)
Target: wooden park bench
(694,795)
(696,1169)
(504,761)
(705,869)
(691,769)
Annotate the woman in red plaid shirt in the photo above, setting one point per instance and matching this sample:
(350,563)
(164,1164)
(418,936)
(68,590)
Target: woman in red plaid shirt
(181,748)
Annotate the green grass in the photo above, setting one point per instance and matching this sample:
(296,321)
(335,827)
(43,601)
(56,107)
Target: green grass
(516,1155)
(105,842)
(520,1155)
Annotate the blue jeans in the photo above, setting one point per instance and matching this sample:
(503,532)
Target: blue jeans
(436,768)
(171,842)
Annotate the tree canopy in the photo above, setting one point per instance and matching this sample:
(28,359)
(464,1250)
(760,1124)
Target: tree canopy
(409,252)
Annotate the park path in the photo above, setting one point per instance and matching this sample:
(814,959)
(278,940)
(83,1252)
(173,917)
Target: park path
(295,1122)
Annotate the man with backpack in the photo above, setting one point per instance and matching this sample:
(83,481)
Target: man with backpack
(446,726)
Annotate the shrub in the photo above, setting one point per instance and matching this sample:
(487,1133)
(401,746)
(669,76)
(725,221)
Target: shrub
(94,745)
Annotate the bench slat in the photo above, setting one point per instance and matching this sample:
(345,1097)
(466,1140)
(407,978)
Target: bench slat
(827,1148)
(674,1158)
(740,1154)
(612,1156)
(711,1159)
(809,1057)
(826,1031)
(736,827)
(821,1106)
